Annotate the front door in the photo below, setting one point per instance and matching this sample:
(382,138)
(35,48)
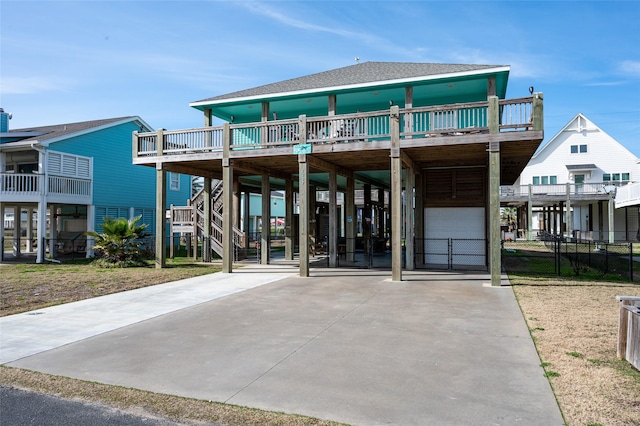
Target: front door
(579,181)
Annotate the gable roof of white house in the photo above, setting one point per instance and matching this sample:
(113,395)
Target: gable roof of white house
(578,123)
(603,155)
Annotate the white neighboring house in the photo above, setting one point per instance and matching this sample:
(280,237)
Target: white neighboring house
(579,170)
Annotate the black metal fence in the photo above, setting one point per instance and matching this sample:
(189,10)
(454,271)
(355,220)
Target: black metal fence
(553,255)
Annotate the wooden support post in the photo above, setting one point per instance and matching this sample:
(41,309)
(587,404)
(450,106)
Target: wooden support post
(380,216)
(303,187)
(288,219)
(194,218)
(419,221)
(366,223)
(161,197)
(530,215)
(29,242)
(333,219)
(569,214)
(91,226)
(17,233)
(495,262)
(352,220)
(408,117)
(206,226)
(246,219)
(538,111)
(410,220)
(265,235)
(171,238)
(396,195)
(236,201)
(561,222)
(227,202)
(623,323)
(612,227)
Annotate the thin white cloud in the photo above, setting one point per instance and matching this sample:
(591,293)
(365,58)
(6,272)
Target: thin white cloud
(630,68)
(605,83)
(29,85)
(263,10)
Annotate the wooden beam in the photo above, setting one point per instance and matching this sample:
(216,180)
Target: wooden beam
(409,162)
(327,166)
(245,167)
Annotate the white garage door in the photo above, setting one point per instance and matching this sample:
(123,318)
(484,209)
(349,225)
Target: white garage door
(455,236)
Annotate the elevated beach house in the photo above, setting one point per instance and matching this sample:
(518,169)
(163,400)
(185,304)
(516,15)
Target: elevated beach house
(59,181)
(440,139)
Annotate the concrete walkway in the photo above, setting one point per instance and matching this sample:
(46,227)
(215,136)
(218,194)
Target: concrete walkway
(345,345)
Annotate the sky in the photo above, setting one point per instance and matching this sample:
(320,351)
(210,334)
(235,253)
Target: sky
(69,61)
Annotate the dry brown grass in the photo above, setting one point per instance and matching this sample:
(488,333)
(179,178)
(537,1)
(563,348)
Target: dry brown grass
(27,287)
(574,325)
(184,410)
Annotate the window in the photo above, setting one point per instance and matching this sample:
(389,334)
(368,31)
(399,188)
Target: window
(574,149)
(545,180)
(553,180)
(583,148)
(536,180)
(174,181)
(578,148)
(616,177)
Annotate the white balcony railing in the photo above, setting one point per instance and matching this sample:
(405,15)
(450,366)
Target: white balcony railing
(600,189)
(20,183)
(628,195)
(69,186)
(29,185)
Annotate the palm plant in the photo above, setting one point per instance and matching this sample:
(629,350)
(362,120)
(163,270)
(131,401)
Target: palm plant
(120,240)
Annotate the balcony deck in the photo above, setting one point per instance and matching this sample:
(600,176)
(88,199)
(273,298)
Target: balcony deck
(431,137)
(29,187)
(544,194)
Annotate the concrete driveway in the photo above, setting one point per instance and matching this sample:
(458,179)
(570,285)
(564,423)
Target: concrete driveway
(344,345)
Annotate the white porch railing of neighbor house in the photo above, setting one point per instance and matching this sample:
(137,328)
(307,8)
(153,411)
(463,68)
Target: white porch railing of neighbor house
(422,122)
(628,195)
(31,184)
(20,183)
(63,185)
(562,189)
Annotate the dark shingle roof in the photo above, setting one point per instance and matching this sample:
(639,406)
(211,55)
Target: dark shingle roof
(366,72)
(58,130)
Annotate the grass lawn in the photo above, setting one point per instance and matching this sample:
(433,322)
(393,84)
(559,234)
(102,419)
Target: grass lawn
(32,286)
(573,322)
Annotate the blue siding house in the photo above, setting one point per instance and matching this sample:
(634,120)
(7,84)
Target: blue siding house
(63,180)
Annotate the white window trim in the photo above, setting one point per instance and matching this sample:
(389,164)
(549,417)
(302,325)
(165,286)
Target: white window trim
(174,181)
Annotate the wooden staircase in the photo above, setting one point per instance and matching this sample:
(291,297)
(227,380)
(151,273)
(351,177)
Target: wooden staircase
(190,220)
